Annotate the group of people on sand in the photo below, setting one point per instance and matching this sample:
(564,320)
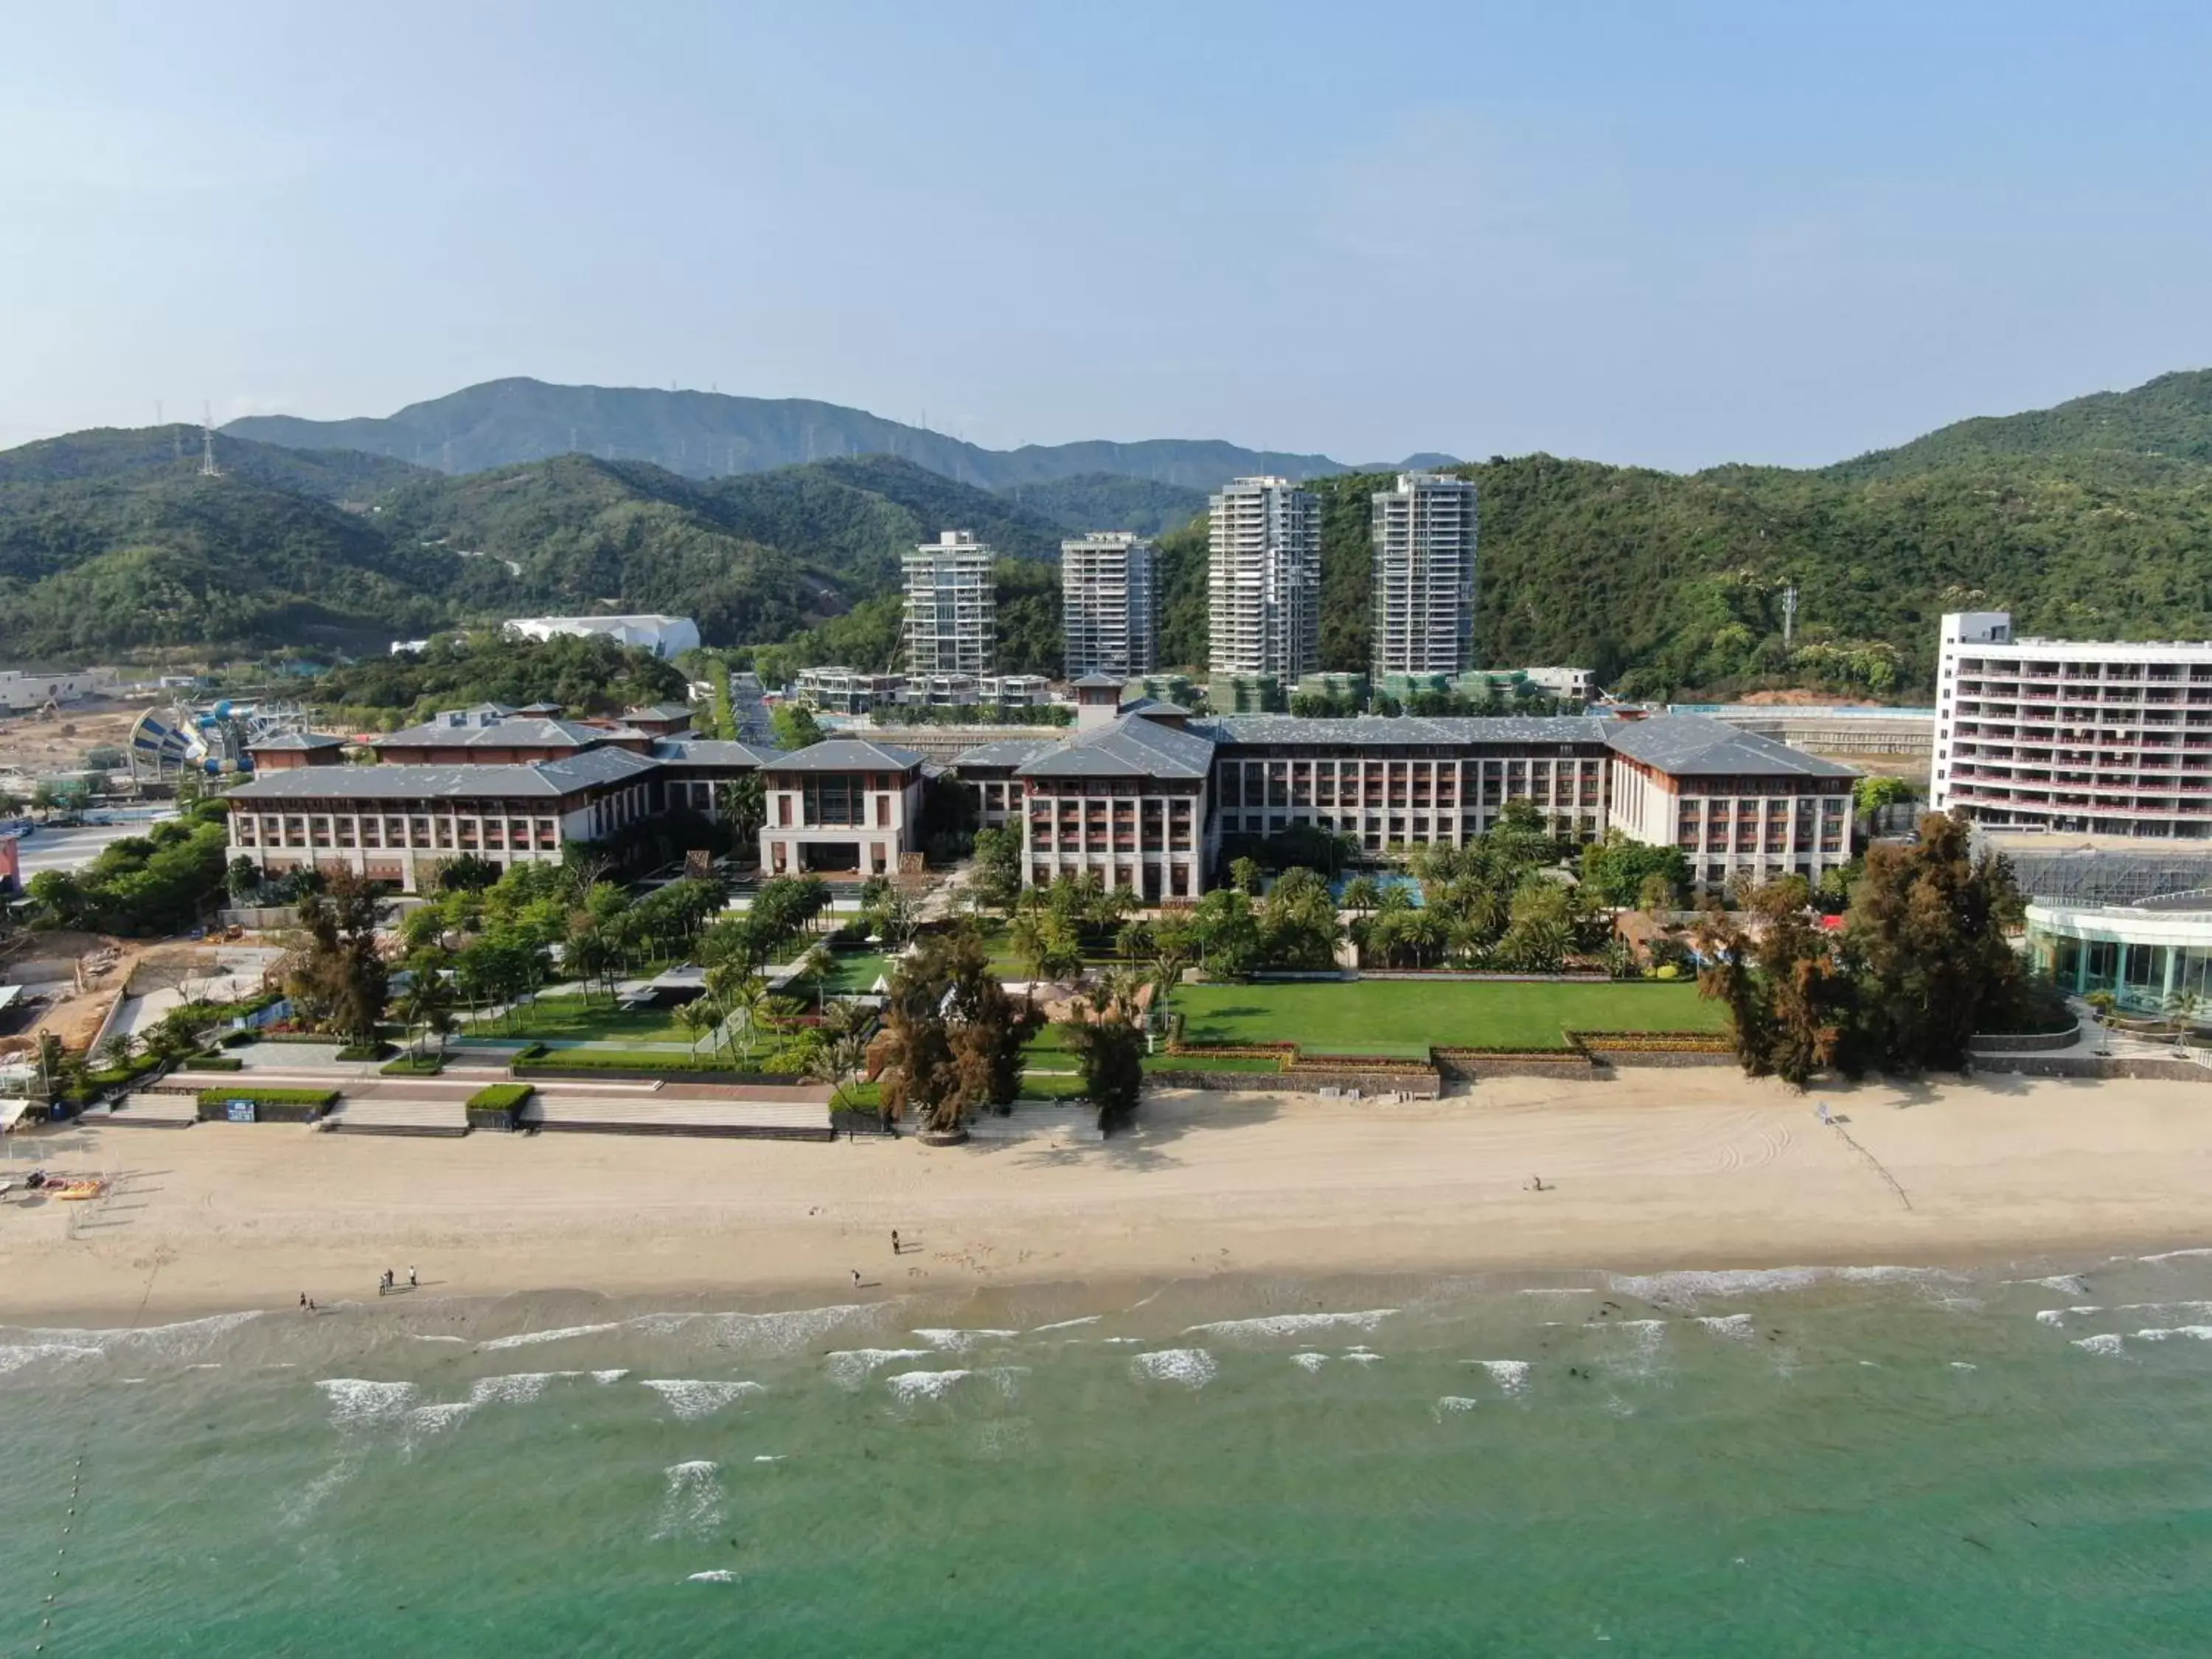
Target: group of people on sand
(385,1286)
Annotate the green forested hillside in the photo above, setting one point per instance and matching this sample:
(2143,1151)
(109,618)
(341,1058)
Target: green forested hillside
(108,541)
(2093,520)
(330,474)
(2170,418)
(1100,501)
(1668,585)
(706,434)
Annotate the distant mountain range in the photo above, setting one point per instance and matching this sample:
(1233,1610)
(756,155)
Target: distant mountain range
(2093,519)
(707,435)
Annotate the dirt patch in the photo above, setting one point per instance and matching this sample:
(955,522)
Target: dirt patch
(35,744)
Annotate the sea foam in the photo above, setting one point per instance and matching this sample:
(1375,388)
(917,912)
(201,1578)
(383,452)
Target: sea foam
(1689,1286)
(690,1397)
(1310,1360)
(1295,1324)
(958,1341)
(1194,1368)
(532,1339)
(1454,1403)
(1736,1328)
(713,1575)
(361,1403)
(908,1387)
(693,1502)
(1510,1374)
(2110,1347)
(851,1368)
(518,1389)
(2178,1332)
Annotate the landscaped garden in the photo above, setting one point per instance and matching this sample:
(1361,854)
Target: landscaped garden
(1405,1019)
(578,1017)
(852,972)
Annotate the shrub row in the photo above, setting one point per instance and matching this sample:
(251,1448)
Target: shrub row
(269,1096)
(366,1051)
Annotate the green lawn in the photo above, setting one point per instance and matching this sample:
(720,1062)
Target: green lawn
(1403,1018)
(854,971)
(572,1017)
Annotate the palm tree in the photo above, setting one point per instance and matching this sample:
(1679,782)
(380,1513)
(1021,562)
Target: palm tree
(1362,894)
(427,1002)
(842,1050)
(698,1017)
(1026,938)
(749,997)
(817,964)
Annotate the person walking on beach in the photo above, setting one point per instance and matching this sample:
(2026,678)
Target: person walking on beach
(303,1301)
(410,1279)
(856,1278)
(894,1243)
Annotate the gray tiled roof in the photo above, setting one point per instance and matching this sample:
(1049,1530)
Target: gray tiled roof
(1692,744)
(713,751)
(847,755)
(289,742)
(513,732)
(663,711)
(1097,682)
(1132,747)
(1377,731)
(545,779)
(1005,752)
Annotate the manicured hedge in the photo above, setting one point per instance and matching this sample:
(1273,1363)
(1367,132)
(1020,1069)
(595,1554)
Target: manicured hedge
(269,1096)
(413,1065)
(371,1051)
(616,1064)
(498,1105)
(212,1063)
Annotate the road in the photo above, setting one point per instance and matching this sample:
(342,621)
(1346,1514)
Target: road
(70,849)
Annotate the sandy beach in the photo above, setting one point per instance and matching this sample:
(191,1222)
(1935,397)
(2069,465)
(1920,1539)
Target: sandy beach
(1665,1169)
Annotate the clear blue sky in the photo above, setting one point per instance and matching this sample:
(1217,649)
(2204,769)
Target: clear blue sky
(1675,234)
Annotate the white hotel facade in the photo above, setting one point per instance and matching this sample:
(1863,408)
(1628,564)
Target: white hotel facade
(1263,579)
(2077,737)
(1424,533)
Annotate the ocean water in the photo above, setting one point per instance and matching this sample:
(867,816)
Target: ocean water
(2015,1463)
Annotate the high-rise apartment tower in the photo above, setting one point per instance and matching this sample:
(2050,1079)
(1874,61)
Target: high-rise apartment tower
(1424,593)
(951,606)
(1263,580)
(1107,604)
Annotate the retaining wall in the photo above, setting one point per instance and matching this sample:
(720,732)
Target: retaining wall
(2030,1043)
(1642,1058)
(2095,1066)
(1423,1086)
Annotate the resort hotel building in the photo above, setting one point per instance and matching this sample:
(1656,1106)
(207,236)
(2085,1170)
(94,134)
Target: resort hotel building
(1423,532)
(1143,795)
(2103,739)
(1107,604)
(1263,580)
(951,606)
(504,786)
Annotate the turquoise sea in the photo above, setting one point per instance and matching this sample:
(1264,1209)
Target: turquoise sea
(1877,1462)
